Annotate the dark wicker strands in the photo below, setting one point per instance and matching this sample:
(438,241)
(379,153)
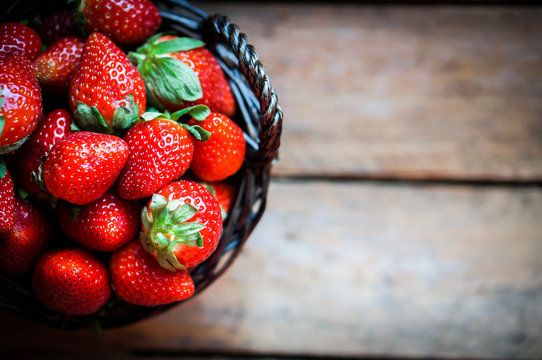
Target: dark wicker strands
(260,117)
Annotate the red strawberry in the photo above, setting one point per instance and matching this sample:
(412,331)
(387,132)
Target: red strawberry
(7,199)
(19,39)
(160,151)
(104,225)
(50,130)
(55,67)
(138,279)
(71,281)
(126,22)
(29,237)
(181,72)
(58,25)
(20,101)
(222,155)
(225,192)
(83,166)
(181,225)
(107,92)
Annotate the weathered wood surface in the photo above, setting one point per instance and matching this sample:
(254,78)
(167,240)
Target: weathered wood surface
(358,269)
(403,92)
(355,268)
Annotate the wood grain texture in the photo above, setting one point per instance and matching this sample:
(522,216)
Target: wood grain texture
(344,268)
(413,92)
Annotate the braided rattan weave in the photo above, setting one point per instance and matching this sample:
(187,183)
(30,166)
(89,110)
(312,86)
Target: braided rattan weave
(258,114)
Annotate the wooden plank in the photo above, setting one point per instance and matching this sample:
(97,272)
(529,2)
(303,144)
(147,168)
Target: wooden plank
(414,92)
(355,269)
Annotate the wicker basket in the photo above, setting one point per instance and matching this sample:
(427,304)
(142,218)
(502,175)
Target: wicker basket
(259,116)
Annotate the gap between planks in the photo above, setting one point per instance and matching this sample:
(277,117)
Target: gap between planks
(414,181)
(205,354)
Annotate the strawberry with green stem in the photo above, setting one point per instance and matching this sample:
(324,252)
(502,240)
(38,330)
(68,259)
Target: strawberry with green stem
(223,154)
(107,93)
(161,149)
(138,279)
(180,72)
(181,225)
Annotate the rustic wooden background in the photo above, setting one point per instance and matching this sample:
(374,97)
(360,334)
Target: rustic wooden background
(404,216)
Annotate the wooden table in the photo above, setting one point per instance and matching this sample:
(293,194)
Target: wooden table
(404,215)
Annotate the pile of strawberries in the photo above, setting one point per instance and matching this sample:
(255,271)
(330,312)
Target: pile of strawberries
(117,153)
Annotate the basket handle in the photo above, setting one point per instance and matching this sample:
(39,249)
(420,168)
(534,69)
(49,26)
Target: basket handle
(254,72)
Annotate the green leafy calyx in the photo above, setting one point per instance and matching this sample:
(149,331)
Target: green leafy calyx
(198,112)
(176,45)
(2,118)
(165,226)
(37,175)
(172,80)
(167,78)
(125,115)
(89,118)
(3,169)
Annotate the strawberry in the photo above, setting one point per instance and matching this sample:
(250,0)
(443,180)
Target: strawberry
(50,130)
(7,199)
(29,237)
(104,225)
(107,92)
(222,155)
(181,225)
(225,192)
(84,165)
(19,39)
(138,279)
(126,22)
(160,151)
(55,67)
(71,281)
(180,72)
(57,25)
(20,101)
